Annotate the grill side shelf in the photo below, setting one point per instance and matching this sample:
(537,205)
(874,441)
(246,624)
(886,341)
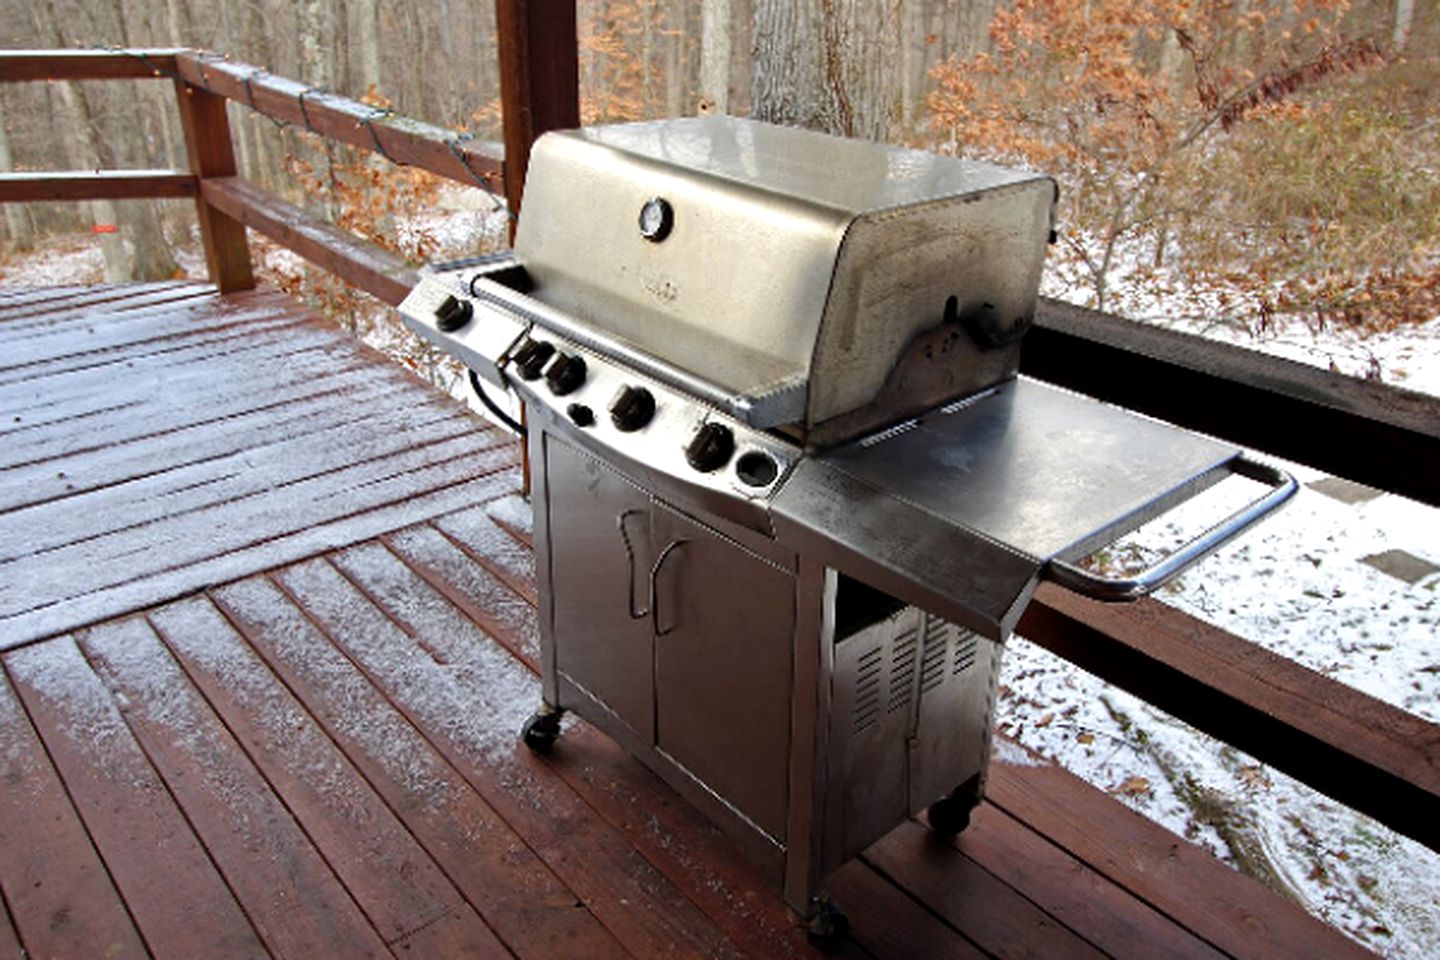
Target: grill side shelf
(944,568)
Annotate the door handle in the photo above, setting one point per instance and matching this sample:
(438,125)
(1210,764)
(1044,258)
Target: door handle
(630,559)
(671,547)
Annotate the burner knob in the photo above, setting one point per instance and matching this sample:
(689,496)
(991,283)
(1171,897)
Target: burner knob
(580,415)
(531,358)
(632,408)
(453,313)
(711,448)
(566,374)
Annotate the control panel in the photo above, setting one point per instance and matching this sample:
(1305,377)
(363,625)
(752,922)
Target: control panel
(605,400)
(480,335)
(648,422)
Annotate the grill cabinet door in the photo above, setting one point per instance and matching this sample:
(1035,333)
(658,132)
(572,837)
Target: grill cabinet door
(598,583)
(723,622)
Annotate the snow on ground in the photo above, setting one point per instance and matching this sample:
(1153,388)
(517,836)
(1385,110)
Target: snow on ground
(55,262)
(1299,585)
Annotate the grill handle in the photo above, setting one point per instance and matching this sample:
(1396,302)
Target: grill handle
(630,565)
(1113,589)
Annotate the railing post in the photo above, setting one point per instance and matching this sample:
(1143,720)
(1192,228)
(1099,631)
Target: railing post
(539,91)
(539,81)
(207,141)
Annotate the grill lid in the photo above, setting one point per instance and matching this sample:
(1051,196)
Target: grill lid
(806,276)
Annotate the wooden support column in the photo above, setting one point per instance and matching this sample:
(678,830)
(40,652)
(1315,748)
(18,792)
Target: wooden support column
(207,141)
(539,81)
(539,91)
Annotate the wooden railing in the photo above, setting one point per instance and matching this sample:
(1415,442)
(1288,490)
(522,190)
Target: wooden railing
(1377,758)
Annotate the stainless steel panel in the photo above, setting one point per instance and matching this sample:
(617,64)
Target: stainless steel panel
(482,343)
(955,711)
(784,401)
(763,851)
(736,290)
(599,586)
(895,277)
(853,176)
(1046,472)
(910,722)
(867,792)
(724,620)
(799,268)
(815,592)
(863,530)
(655,454)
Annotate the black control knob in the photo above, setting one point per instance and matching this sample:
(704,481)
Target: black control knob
(632,408)
(531,358)
(580,415)
(566,374)
(711,448)
(453,313)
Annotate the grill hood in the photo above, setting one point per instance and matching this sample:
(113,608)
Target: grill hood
(826,286)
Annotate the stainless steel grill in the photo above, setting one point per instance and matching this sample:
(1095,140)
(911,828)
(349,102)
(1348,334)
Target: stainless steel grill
(790,495)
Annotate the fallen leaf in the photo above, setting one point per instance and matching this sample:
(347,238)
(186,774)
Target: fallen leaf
(1134,786)
(1085,738)
(1254,776)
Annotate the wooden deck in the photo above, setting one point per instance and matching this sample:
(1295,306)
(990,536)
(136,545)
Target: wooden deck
(268,606)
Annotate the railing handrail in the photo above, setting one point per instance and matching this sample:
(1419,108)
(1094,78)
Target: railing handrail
(401,140)
(130,63)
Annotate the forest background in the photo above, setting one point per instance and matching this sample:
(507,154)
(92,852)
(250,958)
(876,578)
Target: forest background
(1243,162)
(1247,166)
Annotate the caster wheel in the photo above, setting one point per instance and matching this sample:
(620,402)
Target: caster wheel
(949,817)
(541,730)
(827,923)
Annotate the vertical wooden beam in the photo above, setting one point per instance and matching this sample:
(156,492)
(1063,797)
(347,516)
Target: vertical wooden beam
(539,91)
(539,81)
(212,154)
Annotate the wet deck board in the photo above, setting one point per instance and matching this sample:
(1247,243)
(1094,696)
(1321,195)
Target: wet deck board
(339,735)
(159,438)
(304,744)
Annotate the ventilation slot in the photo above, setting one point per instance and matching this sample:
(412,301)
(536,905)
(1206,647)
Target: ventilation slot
(932,665)
(867,689)
(902,670)
(965,652)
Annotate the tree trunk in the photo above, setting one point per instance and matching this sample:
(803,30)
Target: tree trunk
(253,133)
(742,33)
(715,55)
(17,224)
(151,255)
(336,44)
(787,86)
(912,54)
(314,23)
(826,64)
(178,23)
(85,149)
(1404,19)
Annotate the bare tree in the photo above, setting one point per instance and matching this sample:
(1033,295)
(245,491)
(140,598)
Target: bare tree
(1404,20)
(788,86)
(17,224)
(715,54)
(367,23)
(826,64)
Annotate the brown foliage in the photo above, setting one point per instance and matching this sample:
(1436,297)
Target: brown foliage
(1174,126)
